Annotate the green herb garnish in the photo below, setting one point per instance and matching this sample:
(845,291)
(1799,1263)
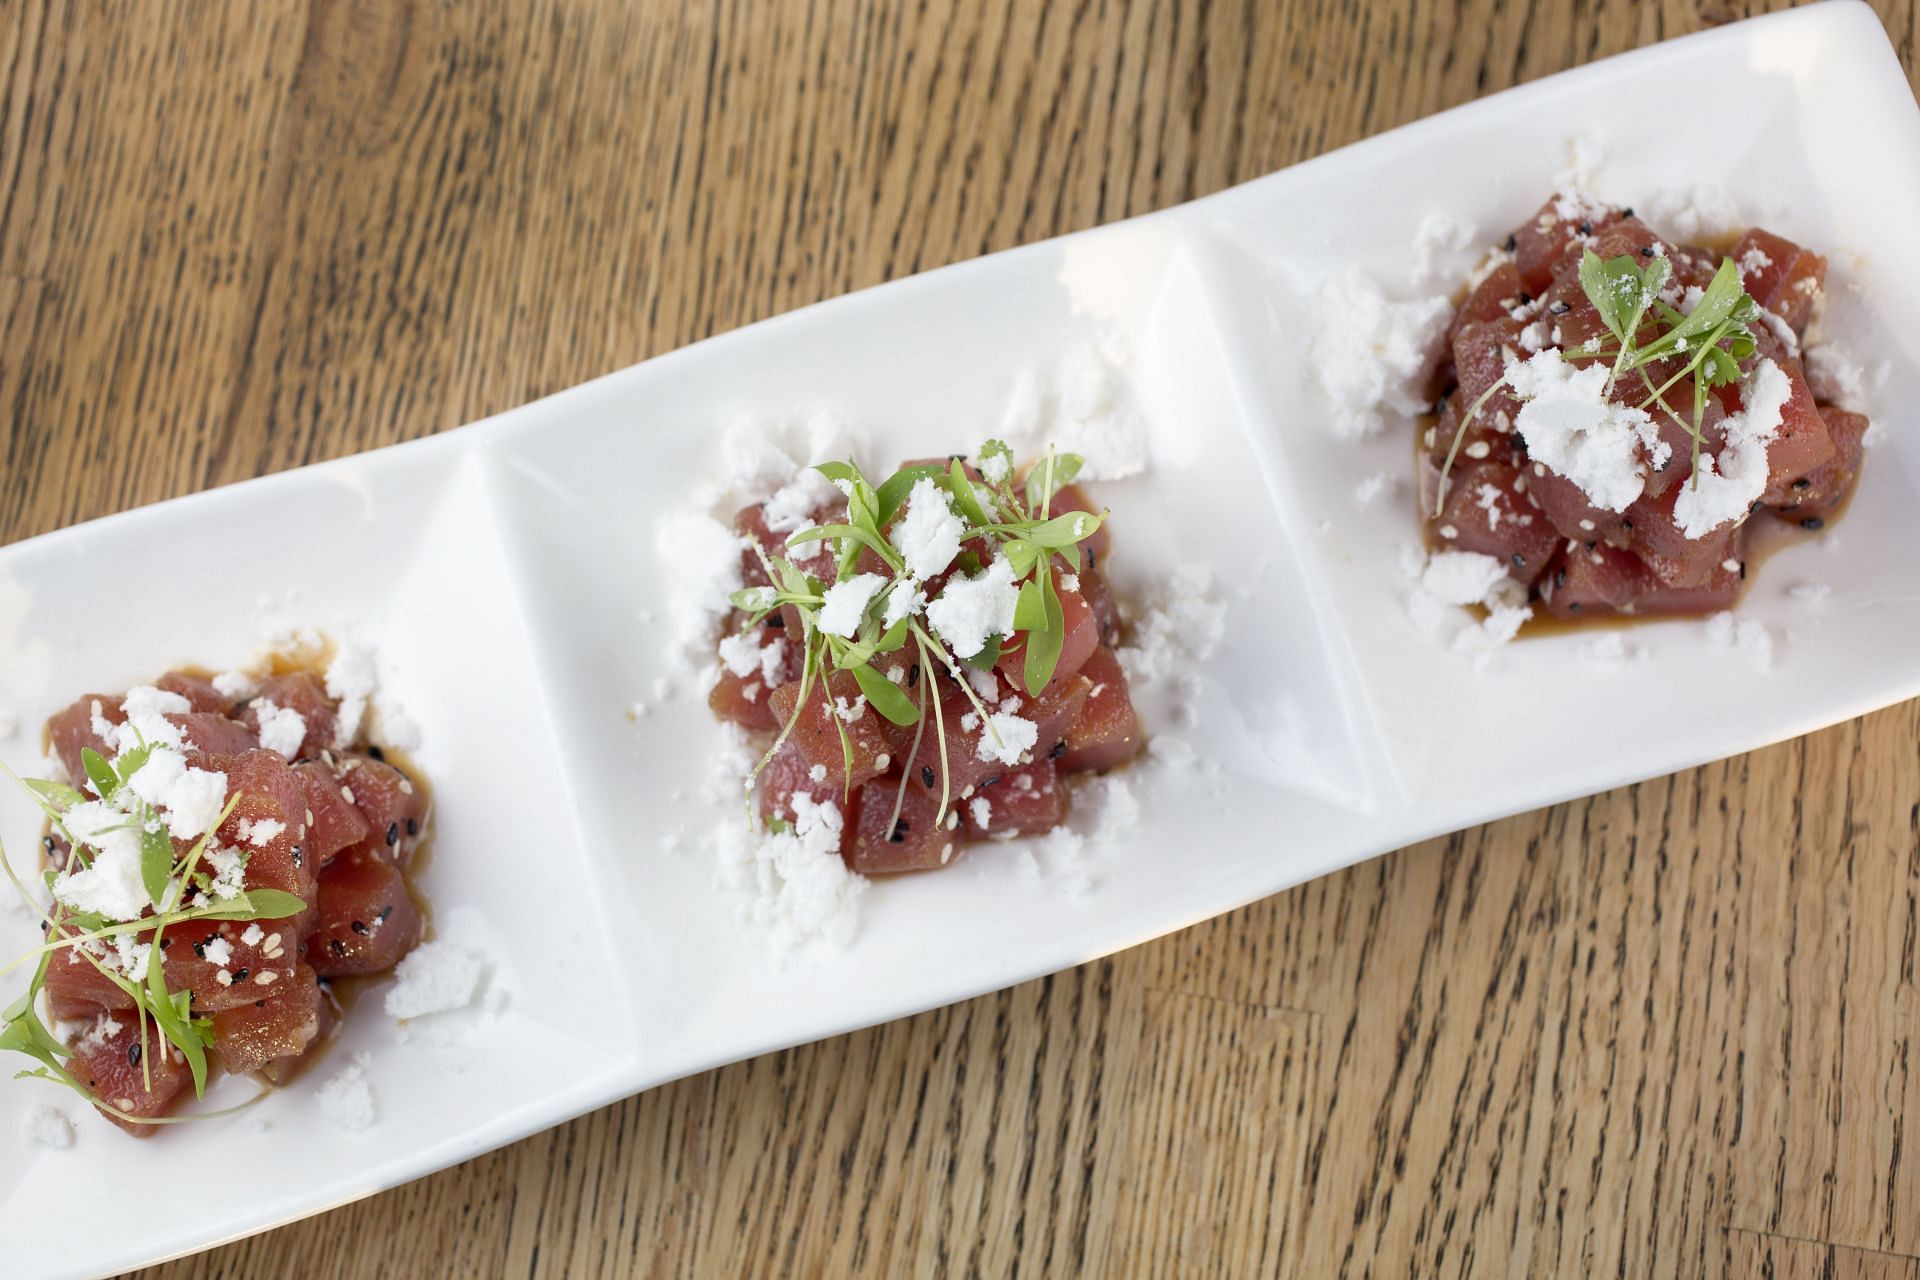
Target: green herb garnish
(1711,341)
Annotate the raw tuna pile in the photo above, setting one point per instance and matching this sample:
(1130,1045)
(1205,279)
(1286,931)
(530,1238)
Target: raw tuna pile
(885,793)
(332,825)
(1586,487)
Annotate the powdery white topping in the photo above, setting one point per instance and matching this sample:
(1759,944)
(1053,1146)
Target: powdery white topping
(1753,262)
(146,709)
(1723,488)
(702,561)
(1437,241)
(981,810)
(433,978)
(928,535)
(234,684)
(1374,487)
(1610,649)
(1083,405)
(985,683)
(1371,355)
(1178,623)
(996,468)
(792,505)
(217,951)
(252,935)
(111,885)
(904,600)
(282,729)
(190,798)
(1007,738)
(1835,377)
(970,610)
(743,654)
(229,867)
(47,1127)
(1586,156)
(846,601)
(1744,635)
(351,680)
(796,885)
(264,832)
(818,773)
(1461,577)
(346,1100)
(1693,212)
(1782,331)
(1453,579)
(1571,427)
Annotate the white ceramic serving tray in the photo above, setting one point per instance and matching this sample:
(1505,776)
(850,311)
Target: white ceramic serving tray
(503,569)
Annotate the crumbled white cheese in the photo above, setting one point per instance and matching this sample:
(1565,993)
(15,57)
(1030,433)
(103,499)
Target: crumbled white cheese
(1610,649)
(1693,212)
(743,654)
(1586,156)
(282,729)
(1745,635)
(1572,428)
(1085,408)
(1007,738)
(217,951)
(237,685)
(346,1100)
(985,683)
(904,600)
(1178,623)
(47,1127)
(435,977)
(252,935)
(702,561)
(972,609)
(846,602)
(818,773)
(797,888)
(981,810)
(792,506)
(1835,377)
(1753,262)
(927,534)
(996,467)
(850,711)
(262,833)
(1461,577)
(1371,355)
(351,681)
(229,867)
(146,709)
(1374,487)
(1724,488)
(111,885)
(1437,242)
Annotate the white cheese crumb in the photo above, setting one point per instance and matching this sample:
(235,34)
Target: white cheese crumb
(1724,488)
(793,504)
(797,888)
(1586,154)
(1007,738)
(111,885)
(1691,213)
(846,601)
(351,681)
(264,832)
(282,729)
(1437,243)
(229,867)
(1571,427)
(1610,649)
(970,610)
(904,600)
(1745,635)
(1374,487)
(236,685)
(435,977)
(927,535)
(702,561)
(1835,377)
(818,773)
(146,709)
(850,711)
(1178,623)
(217,951)
(1085,408)
(996,468)
(47,1126)
(252,935)
(1369,355)
(1462,577)
(981,810)
(346,1100)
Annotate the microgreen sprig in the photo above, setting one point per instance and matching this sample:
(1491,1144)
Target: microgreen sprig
(1710,341)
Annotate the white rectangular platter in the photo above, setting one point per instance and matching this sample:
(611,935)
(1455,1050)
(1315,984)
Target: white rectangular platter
(506,570)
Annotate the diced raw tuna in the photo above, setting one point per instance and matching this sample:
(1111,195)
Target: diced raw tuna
(747,699)
(1106,734)
(1106,610)
(395,810)
(884,845)
(1082,637)
(337,824)
(1608,580)
(144,1082)
(788,774)
(1490,509)
(301,692)
(213,738)
(1492,299)
(1052,714)
(1676,559)
(272,799)
(1023,802)
(237,982)
(1781,276)
(1802,445)
(281,1022)
(282,1071)
(197,690)
(71,976)
(366,920)
(1480,352)
(70,731)
(817,732)
(1542,242)
(1824,490)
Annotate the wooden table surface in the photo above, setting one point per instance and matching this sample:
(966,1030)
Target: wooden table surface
(1668,1030)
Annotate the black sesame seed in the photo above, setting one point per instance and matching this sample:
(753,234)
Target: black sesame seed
(994,780)
(1059,749)
(926,774)
(1646,251)
(299,857)
(913,675)
(1574,607)
(51,846)
(899,835)
(360,927)
(393,833)
(241,975)
(259,1004)
(200,949)
(336,946)
(1559,579)
(1093,558)
(1592,545)
(1560,308)
(1813,522)
(166,944)
(413,826)
(1439,407)
(1754,506)
(1627,525)
(377,754)
(1627,212)
(1519,561)
(1586,228)
(1513,242)
(384,913)
(133,1054)
(1526,299)
(1743,571)
(1803,484)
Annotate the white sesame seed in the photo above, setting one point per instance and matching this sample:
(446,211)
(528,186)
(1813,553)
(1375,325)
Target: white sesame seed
(946,851)
(266,978)
(882,761)
(1587,525)
(1448,531)
(1730,565)
(1478,449)
(346,793)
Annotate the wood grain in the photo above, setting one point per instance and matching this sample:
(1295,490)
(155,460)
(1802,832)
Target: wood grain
(1665,1031)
